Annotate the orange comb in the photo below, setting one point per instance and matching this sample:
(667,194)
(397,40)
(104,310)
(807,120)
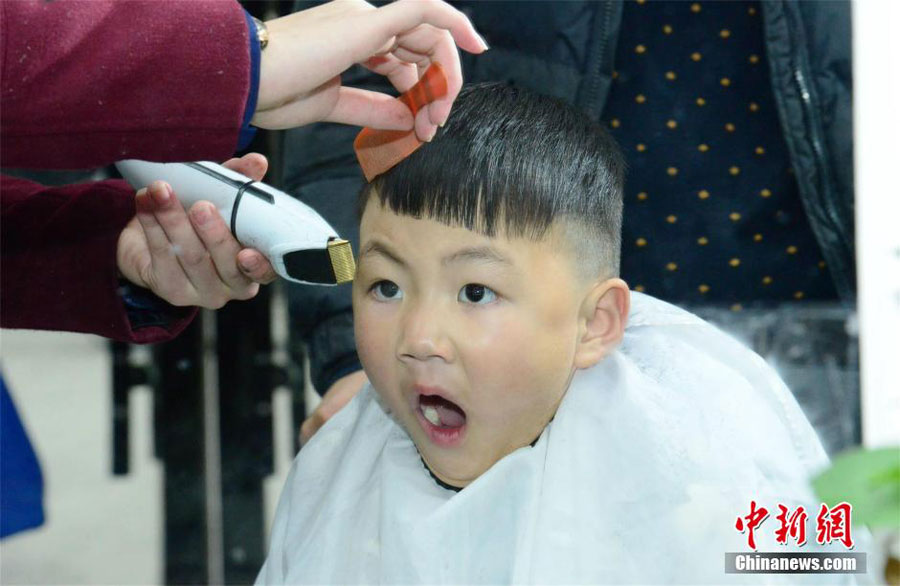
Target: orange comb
(379,150)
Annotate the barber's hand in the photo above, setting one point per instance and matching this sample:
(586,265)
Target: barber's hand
(307,52)
(338,395)
(191,258)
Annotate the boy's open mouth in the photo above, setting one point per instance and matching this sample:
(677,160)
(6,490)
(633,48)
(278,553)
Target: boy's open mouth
(441,412)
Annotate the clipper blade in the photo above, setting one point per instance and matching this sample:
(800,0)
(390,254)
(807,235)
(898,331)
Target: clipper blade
(341,254)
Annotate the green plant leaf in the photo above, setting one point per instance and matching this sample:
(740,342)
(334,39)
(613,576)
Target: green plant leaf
(867,479)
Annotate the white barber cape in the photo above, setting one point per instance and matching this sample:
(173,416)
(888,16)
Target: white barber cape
(640,477)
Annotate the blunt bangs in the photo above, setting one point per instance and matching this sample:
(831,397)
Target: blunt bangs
(514,162)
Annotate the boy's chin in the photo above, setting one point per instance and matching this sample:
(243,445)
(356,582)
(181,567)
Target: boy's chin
(452,476)
(457,469)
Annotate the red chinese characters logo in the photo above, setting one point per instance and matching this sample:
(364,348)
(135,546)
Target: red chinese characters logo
(754,520)
(831,524)
(834,524)
(793,525)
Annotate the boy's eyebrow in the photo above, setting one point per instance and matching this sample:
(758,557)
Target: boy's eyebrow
(474,253)
(376,247)
(477,253)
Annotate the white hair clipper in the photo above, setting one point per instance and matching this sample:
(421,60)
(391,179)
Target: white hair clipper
(299,243)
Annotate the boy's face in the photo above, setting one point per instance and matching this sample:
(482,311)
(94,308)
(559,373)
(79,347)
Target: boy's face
(469,340)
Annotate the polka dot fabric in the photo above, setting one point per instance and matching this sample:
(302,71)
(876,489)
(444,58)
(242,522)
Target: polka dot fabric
(712,212)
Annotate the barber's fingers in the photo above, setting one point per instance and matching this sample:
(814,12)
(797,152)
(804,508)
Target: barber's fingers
(428,31)
(256,266)
(404,15)
(163,274)
(252,263)
(367,108)
(402,74)
(423,46)
(253,165)
(222,248)
(189,250)
(239,269)
(193,278)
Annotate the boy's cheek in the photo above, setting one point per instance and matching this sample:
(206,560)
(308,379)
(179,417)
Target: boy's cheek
(370,344)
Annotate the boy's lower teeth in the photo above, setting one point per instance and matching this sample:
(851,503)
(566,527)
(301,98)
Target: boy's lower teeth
(431,415)
(441,416)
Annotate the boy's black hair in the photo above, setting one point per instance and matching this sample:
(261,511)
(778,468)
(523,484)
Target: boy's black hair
(514,161)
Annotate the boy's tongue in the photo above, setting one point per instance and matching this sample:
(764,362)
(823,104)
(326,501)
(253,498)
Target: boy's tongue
(449,414)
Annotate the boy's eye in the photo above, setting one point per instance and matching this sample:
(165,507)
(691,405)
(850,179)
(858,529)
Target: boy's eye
(386,291)
(474,293)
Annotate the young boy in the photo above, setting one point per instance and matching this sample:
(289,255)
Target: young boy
(514,429)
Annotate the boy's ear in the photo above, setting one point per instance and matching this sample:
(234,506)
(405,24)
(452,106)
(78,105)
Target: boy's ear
(602,319)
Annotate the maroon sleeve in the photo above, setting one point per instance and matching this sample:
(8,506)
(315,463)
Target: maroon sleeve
(58,265)
(88,82)
(84,83)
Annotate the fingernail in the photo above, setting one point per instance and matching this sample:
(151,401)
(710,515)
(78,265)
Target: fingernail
(202,214)
(248,264)
(161,192)
(431,136)
(484,44)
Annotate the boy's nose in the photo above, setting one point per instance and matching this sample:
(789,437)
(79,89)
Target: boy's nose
(424,336)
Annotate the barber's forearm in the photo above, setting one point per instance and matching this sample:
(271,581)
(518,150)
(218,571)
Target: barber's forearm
(153,80)
(59,262)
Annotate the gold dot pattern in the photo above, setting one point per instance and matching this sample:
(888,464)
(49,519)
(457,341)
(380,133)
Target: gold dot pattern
(673,62)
